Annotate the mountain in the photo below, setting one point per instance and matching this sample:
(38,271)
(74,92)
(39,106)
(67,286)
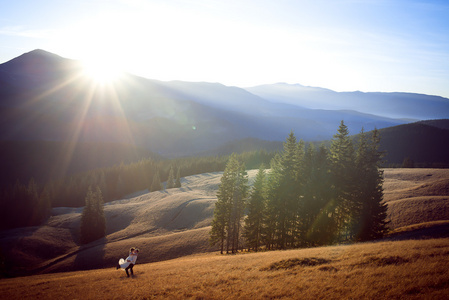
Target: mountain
(391,105)
(424,142)
(45,97)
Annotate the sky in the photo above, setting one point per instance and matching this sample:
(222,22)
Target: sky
(343,45)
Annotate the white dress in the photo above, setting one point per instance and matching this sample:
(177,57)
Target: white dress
(124,263)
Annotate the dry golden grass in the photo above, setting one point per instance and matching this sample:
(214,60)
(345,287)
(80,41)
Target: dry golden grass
(383,270)
(175,223)
(416,196)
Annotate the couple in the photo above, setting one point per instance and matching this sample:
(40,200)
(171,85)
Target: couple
(128,264)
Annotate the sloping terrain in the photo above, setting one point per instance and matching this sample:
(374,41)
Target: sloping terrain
(164,224)
(425,143)
(416,196)
(176,222)
(412,269)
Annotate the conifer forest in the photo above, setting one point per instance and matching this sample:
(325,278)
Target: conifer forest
(310,196)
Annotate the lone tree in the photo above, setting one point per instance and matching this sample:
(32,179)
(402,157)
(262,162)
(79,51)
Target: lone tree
(93,222)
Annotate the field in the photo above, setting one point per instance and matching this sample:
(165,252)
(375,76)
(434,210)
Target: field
(171,228)
(386,270)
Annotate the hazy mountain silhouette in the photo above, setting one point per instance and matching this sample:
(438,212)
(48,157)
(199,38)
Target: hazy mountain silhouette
(424,142)
(44,97)
(392,105)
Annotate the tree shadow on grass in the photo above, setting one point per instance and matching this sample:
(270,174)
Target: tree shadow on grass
(90,256)
(434,231)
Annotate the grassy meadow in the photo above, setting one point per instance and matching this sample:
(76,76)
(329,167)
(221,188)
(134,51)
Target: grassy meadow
(171,229)
(412,269)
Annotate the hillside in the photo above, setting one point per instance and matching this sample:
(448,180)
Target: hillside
(424,142)
(44,160)
(46,104)
(415,269)
(176,223)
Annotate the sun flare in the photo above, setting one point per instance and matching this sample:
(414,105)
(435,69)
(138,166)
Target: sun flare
(101,72)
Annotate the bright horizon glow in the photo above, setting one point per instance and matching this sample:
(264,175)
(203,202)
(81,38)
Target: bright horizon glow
(343,45)
(101,72)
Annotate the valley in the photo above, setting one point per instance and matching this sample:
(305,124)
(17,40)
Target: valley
(171,229)
(176,222)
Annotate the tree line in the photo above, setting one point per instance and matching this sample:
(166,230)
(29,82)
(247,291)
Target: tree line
(311,196)
(29,204)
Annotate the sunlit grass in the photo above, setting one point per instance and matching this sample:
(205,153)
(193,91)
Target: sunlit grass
(405,269)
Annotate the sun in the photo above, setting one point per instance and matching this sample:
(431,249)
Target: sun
(101,71)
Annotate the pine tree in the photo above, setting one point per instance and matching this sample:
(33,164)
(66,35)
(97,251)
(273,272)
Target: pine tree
(93,222)
(321,231)
(283,194)
(371,219)
(228,213)
(342,159)
(178,178)
(255,220)
(157,184)
(171,179)
(220,223)
(238,206)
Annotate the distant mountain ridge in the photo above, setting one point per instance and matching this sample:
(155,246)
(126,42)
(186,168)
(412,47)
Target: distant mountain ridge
(391,105)
(44,97)
(424,142)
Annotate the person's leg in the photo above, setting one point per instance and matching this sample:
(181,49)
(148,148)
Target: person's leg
(131,266)
(127,268)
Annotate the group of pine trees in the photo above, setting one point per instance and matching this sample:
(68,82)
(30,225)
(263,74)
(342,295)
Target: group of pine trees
(93,222)
(24,205)
(311,196)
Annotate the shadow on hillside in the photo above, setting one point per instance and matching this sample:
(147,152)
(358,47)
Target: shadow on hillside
(90,256)
(23,249)
(433,232)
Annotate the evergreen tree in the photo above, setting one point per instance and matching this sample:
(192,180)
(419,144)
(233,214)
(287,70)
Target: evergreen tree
(238,206)
(178,178)
(157,184)
(93,222)
(171,179)
(283,194)
(321,230)
(371,219)
(220,223)
(254,223)
(408,163)
(342,159)
(229,208)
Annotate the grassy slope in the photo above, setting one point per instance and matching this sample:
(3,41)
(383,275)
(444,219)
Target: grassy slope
(416,196)
(166,225)
(360,271)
